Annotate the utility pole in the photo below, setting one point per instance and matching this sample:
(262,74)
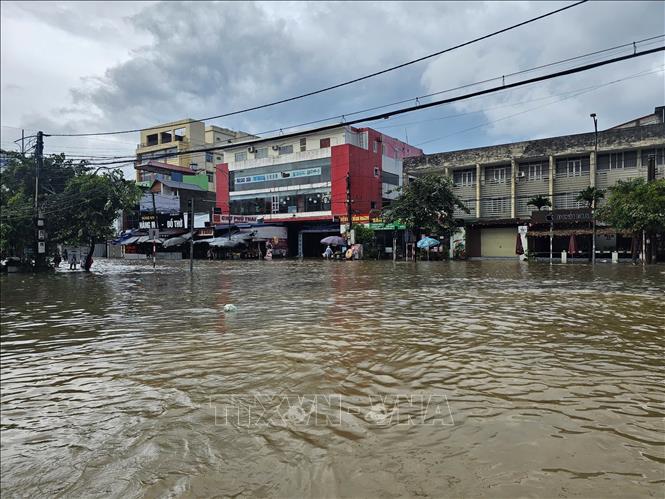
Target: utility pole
(651,176)
(228,175)
(39,162)
(154,244)
(40,245)
(348,201)
(191,237)
(593,200)
(551,220)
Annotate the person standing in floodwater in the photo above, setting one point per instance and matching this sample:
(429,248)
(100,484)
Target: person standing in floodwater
(72,261)
(328,253)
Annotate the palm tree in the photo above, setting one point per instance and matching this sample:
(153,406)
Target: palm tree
(539,202)
(591,196)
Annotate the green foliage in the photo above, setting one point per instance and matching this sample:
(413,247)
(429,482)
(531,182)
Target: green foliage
(635,205)
(426,203)
(78,205)
(590,196)
(99,199)
(539,202)
(364,235)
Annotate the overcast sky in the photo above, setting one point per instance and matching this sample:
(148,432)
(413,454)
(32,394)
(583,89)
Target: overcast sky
(97,66)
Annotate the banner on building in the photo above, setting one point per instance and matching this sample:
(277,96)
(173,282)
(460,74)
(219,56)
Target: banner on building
(561,216)
(166,221)
(224,219)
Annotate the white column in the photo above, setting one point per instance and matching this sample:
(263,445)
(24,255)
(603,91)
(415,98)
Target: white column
(550,184)
(513,173)
(478,170)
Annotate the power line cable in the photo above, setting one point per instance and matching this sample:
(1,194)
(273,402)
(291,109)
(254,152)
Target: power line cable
(578,91)
(418,107)
(633,45)
(528,110)
(349,82)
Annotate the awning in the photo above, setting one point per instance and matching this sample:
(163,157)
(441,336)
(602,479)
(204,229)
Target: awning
(146,239)
(603,231)
(131,240)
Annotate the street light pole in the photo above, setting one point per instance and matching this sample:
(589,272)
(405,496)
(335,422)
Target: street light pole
(191,238)
(593,200)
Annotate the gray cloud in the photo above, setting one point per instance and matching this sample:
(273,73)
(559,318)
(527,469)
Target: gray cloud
(196,59)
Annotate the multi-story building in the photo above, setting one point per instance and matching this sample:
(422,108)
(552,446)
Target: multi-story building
(168,144)
(496,182)
(312,180)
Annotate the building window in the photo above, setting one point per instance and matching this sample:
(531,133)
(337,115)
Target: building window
(210,177)
(152,140)
(219,158)
(573,167)
(383,149)
(376,171)
(617,161)
(567,201)
(286,149)
(261,153)
(324,143)
(534,171)
(372,205)
(362,140)
(208,157)
(464,178)
(496,175)
(376,146)
(303,144)
(389,178)
(241,156)
(658,153)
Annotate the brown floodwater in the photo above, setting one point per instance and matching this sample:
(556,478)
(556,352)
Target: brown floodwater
(540,381)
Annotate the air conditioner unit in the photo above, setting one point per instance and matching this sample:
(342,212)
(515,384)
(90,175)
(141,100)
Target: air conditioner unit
(275,148)
(251,149)
(521,175)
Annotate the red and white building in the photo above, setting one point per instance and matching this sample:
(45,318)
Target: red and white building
(302,180)
(305,177)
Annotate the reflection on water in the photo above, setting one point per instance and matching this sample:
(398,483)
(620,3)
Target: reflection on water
(112,381)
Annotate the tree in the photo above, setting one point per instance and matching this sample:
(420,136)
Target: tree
(17,196)
(591,196)
(539,202)
(78,206)
(99,199)
(426,203)
(635,206)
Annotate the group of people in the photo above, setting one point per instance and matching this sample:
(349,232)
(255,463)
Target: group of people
(350,253)
(72,260)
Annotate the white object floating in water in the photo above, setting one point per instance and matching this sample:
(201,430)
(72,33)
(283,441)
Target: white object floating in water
(229,307)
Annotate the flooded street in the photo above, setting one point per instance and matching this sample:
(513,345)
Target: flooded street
(125,382)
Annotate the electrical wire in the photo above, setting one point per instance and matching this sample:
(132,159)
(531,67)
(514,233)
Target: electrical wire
(568,95)
(349,82)
(633,45)
(418,107)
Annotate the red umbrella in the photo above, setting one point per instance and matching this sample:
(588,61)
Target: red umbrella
(519,249)
(572,245)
